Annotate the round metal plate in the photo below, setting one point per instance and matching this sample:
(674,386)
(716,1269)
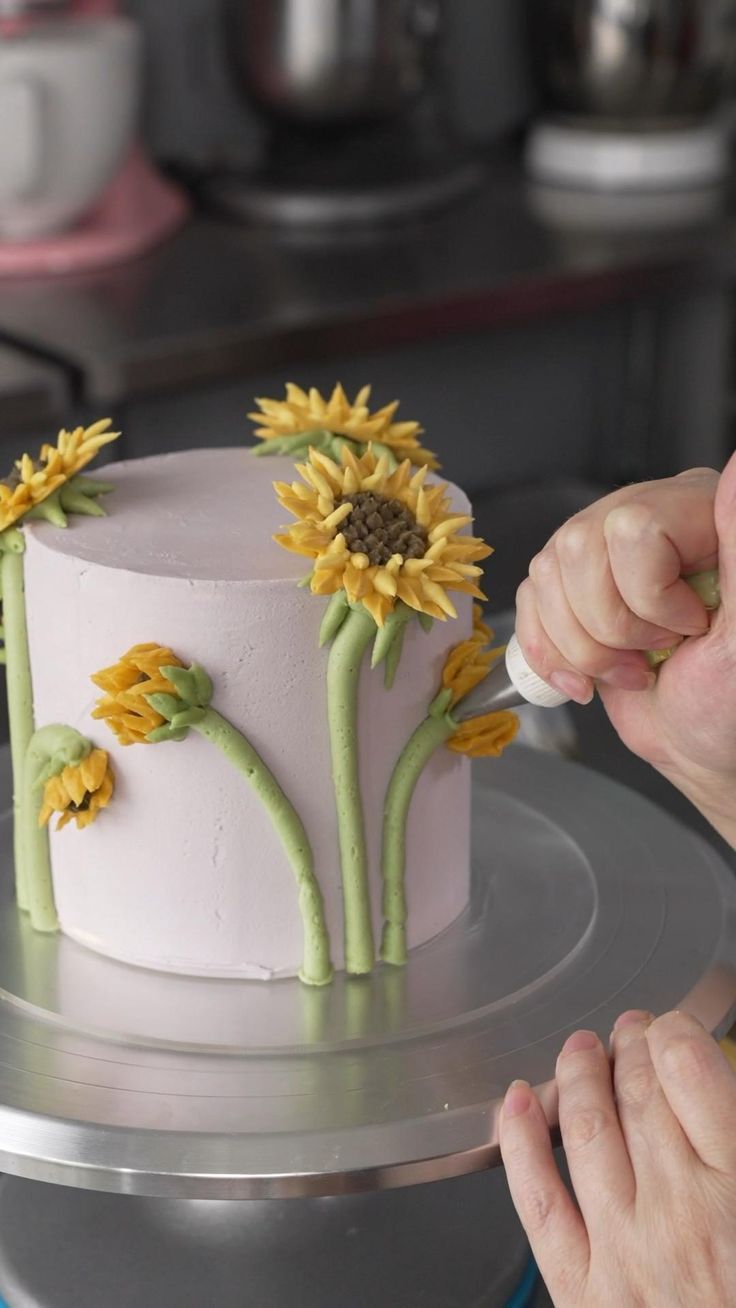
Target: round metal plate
(586,900)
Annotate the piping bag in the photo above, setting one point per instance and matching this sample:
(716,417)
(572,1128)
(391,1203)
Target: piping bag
(511,683)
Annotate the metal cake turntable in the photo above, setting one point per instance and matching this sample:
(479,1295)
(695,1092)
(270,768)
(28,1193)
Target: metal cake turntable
(586,900)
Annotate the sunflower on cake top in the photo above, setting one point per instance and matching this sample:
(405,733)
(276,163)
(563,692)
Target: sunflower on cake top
(304,419)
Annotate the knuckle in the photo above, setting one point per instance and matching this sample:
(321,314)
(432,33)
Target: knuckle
(543,567)
(524,594)
(573,541)
(539,1206)
(583,1127)
(685,1059)
(627,523)
(591,660)
(616,627)
(637,1087)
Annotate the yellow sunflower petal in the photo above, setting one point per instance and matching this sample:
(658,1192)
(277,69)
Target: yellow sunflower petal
(303,411)
(485,736)
(56,794)
(93,769)
(75,787)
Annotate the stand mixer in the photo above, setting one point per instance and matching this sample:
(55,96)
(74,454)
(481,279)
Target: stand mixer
(355,129)
(632,91)
(126,215)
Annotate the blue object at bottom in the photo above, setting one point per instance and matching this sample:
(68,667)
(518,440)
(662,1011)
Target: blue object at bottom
(522,1296)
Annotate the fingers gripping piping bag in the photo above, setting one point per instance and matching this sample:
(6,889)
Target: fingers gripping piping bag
(511,683)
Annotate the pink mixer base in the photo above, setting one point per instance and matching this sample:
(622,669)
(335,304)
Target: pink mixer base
(137,211)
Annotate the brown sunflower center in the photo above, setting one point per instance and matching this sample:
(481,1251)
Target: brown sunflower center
(83,807)
(379,528)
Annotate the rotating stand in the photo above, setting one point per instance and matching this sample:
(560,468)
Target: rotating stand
(586,900)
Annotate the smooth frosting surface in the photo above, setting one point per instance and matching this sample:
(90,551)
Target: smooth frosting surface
(198,514)
(184,870)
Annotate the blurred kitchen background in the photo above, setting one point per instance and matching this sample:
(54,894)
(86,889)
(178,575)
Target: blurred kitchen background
(515,215)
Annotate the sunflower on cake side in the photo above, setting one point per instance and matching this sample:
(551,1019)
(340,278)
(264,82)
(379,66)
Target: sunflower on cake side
(385,546)
(48,488)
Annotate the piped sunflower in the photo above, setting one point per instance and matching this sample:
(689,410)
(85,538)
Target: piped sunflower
(128,684)
(383,536)
(302,417)
(151,697)
(79,792)
(31,482)
(466,666)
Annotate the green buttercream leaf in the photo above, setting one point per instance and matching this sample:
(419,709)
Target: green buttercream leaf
(75,501)
(203,684)
(335,614)
(295,445)
(305,581)
(167,733)
(91,487)
(189,718)
(426,621)
(184,681)
(67,747)
(379,449)
(167,705)
(50,510)
(336,446)
(390,631)
(393,659)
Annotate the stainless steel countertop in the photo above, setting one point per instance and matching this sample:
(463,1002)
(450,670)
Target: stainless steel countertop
(217,300)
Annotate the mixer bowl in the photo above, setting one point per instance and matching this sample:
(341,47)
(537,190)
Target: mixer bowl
(633,62)
(331,62)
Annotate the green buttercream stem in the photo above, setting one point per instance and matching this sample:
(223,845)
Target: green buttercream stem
(431,733)
(343,675)
(19,689)
(317,967)
(64,745)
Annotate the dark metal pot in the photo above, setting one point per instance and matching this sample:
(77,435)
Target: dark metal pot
(331,62)
(633,61)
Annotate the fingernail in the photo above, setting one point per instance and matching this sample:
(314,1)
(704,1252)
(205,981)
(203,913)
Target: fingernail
(677,1014)
(579,1041)
(518,1099)
(669,640)
(633,1017)
(573,685)
(628,676)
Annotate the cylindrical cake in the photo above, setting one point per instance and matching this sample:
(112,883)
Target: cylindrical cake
(184,870)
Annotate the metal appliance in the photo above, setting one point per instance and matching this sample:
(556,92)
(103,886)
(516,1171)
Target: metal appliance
(632,91)
(348,90)
(126,215)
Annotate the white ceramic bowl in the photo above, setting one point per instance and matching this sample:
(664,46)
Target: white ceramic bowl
(69,94)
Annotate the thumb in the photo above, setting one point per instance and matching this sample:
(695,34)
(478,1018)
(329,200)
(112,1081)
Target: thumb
(725,519)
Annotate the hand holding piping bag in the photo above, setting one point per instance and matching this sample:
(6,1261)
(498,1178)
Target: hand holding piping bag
(610,584)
